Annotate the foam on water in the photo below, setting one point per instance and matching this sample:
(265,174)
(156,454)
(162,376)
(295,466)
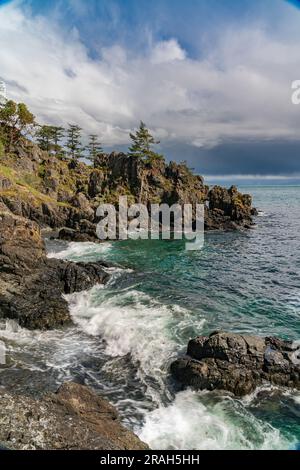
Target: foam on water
(133,323)
(189,424)
(75,251)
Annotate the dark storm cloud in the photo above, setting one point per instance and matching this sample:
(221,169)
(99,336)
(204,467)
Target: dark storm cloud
(242,158)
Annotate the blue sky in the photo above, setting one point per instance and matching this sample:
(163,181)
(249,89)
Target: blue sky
(211,78)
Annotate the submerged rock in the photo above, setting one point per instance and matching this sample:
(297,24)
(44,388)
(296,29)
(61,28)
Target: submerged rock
(238,363)
(73,418)
(31,285)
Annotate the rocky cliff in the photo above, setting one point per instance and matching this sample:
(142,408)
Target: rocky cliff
(59,193)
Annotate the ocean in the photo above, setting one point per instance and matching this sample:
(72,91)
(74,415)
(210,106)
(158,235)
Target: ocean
(127,333)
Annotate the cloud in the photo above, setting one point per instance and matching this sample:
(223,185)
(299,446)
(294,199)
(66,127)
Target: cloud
(239,89)
(167,51)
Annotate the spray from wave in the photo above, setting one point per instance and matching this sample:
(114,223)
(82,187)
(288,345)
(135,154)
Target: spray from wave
(191,422)
(131,322)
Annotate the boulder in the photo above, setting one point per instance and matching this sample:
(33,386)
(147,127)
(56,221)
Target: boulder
(21,245)
(238,363)
(75,418)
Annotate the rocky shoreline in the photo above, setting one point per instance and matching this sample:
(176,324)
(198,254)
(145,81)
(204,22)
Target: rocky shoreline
(31,285)
(40,191)
(37,192)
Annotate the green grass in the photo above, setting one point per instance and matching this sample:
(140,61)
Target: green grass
(7,172)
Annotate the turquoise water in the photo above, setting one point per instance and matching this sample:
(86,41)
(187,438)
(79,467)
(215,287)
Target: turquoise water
(128,332)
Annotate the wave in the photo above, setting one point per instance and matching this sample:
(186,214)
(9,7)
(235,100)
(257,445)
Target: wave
(133,326)
(131,322)
(190,424)
(86,251)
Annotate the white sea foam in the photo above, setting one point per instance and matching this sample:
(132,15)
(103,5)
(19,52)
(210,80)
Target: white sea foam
(133,323)
(296,398)
(55,349)
(189,424)
(81,251)
(261,214)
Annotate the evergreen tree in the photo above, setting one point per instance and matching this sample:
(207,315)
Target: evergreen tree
(93,147)
(58,135)
(141,148)
(44,138)
(74,141)
(142,145)
(25,119)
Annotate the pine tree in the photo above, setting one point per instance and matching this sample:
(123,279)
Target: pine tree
(142,145)
(44,138)
(94,147)
(141,148)
(74,141)
(58,135)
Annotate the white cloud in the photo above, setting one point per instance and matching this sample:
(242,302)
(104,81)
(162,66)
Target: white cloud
(240,89)
(167,51)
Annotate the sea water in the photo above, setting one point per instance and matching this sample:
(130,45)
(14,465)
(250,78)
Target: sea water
(127,333)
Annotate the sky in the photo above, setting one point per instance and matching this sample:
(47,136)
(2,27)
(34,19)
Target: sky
(211,78)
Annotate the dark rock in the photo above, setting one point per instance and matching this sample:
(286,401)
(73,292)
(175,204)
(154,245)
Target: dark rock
(228,209)
(21,245)
(74,418)
(96,181)
(31,285)
(85,231)
(237,363)
(72,235)
(81,202)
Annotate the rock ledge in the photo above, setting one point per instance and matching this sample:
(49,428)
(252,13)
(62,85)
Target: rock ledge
(75,418)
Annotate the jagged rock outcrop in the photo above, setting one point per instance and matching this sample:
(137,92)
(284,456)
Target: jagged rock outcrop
(238,363)
(31,285)
(228,209)
(74,418)
(60,193)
